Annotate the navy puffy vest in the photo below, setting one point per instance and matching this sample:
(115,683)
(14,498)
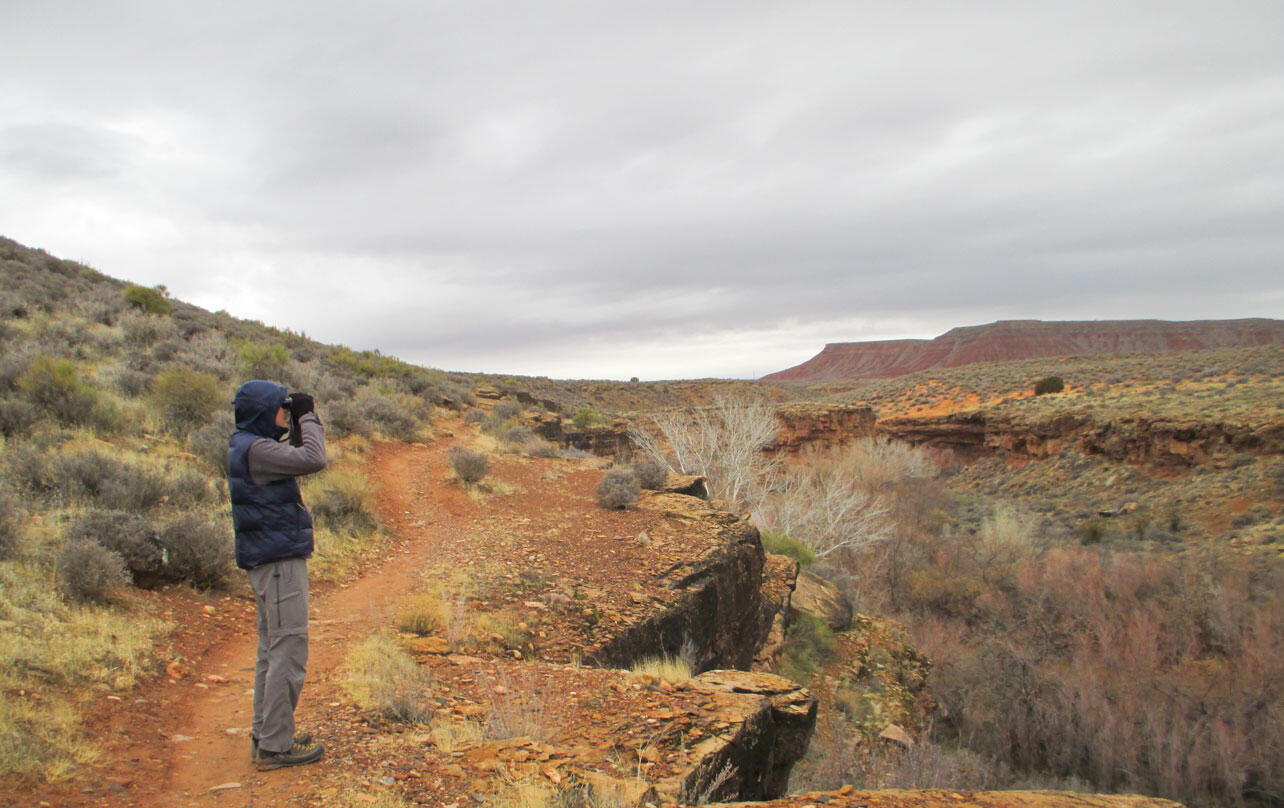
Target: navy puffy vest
(270,521)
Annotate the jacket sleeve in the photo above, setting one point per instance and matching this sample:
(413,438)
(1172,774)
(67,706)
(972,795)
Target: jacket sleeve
(270,461)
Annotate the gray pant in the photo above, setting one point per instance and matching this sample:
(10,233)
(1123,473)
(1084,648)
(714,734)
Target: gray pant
(281,592)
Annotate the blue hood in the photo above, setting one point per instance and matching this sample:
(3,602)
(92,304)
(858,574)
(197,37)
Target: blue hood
(255,407)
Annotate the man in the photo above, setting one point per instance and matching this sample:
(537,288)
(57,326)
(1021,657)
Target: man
(273,541)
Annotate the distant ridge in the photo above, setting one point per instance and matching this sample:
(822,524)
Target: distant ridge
(1027,339)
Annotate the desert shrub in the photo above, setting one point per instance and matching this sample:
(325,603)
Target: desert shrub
(210,352)
(152,301)
(128,535)
(16,417)
(263,361)
(191,320)
(518,435)
(371,414)
(30,471)
(130,381)
(422,613)
(619,489)
(342,499)
(379,675)
(185,398)
(542,448)
(87,571)
(167,350)
(474,416)
(186,488)
(209,442)
(782,544)
(55,386)
(651,473)
(107,482)
(198,551)
(506,409)
(143,330)
(12,366)
(468,466)
(673,670)
(1049,384)
(10,517)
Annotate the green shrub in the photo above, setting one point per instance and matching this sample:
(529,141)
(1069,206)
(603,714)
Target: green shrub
(619,489)
(263,361)
(185,398)
(87,571)
(55,386)
(128,535)
(1049,384)
(152,301)
(198,551)
(586,417)
(469,466)
(651,473)
(474,416)
(781,544)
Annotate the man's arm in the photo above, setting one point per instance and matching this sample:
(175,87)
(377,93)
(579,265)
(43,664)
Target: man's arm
(270,461)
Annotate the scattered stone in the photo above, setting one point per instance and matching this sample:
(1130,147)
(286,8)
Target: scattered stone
(225,786)
(176,738)
(896,735)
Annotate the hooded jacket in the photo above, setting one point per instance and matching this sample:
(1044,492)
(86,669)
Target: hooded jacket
(269,518)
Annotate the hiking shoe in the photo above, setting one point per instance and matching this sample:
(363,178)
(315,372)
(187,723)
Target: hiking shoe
(302,737)
(298,755)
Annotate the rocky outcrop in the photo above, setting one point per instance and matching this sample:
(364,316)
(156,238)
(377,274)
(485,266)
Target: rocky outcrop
(719,614)
(608,440)
(1139,440)
(821,425)
(1027,339)
(816,596)
(752,757)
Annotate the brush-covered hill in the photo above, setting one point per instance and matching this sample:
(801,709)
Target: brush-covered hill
(1009,340)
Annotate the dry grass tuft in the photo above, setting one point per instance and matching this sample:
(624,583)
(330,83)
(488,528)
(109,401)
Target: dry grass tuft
(379,675)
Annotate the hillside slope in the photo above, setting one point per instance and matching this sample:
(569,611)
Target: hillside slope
(1027,339)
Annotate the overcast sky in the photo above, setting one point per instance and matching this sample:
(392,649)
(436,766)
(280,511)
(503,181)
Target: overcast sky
(657,189)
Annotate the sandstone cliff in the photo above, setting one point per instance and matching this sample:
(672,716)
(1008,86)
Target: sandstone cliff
(1027,339)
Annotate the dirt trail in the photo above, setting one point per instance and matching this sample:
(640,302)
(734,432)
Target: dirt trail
(339,616)
(174,743)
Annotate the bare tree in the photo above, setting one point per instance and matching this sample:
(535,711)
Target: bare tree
(722,443)
(835,499)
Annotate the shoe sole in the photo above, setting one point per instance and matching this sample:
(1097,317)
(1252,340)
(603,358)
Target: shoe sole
(264,766)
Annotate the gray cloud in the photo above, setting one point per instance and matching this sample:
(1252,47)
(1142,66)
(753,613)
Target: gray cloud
(551,188)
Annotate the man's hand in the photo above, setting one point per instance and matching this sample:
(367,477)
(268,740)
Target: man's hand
(300,405)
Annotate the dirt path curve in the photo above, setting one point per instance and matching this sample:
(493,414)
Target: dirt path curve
(195,749)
